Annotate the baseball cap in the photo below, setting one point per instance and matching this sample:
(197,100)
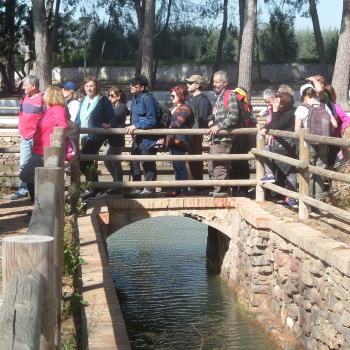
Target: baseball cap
(303,88)
(70,86)
(139,79)
(195,78)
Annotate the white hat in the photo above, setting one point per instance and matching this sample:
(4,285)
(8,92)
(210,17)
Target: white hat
(303,88)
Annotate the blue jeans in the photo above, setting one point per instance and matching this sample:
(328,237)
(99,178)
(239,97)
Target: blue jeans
(25,152)
(149,168)
(180,169)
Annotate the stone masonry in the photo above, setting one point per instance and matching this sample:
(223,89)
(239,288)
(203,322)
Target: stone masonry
(302,285)
(9,140)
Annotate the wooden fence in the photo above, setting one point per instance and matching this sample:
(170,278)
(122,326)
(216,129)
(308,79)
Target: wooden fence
(32,264)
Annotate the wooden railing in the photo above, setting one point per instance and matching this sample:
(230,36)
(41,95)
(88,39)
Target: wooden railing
(30,317)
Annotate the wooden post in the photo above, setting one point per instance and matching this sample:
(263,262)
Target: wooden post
(37,252)
(45,177)
(21,312)
(75,173)
(260,143)
(304,176)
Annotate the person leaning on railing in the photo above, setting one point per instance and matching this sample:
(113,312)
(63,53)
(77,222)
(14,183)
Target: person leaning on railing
(54,116)
(181,118)
(94,111)
(282,119)
(116,143)
(318,152)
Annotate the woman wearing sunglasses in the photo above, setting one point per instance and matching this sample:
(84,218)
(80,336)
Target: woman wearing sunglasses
(182,118)
(116,143)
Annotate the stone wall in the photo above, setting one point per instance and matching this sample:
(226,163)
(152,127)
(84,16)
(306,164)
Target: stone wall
(294,278)
(9,140)
(282,72)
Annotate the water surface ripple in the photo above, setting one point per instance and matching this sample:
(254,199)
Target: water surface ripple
(168,299)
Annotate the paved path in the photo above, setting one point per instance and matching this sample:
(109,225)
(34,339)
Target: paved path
(102,319)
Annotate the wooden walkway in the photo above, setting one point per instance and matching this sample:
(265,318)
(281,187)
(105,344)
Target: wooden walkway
(103,323)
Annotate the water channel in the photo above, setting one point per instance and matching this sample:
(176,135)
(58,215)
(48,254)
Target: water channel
(168,299)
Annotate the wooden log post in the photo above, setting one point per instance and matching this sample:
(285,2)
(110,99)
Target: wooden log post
(260,143)
(49,183)
(304,176)
(75,174)
(20,317)
(37,252)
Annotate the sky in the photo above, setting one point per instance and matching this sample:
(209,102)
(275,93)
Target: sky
(329,14)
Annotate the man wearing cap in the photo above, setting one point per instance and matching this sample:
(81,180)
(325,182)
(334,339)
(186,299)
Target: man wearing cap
(69,93)
(226,117)
(31,110)
(201,108)
(143,115)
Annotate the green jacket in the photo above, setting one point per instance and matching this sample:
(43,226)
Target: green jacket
(226,118)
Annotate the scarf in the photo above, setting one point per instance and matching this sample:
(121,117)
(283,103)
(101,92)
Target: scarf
(86,109)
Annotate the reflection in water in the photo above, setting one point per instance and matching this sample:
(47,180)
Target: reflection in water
(168,299)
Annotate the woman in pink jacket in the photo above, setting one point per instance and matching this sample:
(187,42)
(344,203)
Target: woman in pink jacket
(55,115)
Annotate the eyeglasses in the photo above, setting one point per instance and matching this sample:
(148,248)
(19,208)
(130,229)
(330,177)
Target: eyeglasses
(112,95)
(191,82)
(173,96)
(89,86)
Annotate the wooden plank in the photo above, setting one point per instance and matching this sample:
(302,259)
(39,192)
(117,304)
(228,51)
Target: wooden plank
(164,158)
(20,317)
(330,174)
(180,183)
(281,190)
(275,156)
(282,133)
(334,141)
(304,175)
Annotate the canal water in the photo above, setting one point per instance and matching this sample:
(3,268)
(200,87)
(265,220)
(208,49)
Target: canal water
(168,299)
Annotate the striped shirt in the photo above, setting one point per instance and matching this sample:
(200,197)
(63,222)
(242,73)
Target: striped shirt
(30,111)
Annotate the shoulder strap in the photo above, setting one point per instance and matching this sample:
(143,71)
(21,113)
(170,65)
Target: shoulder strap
(227,93)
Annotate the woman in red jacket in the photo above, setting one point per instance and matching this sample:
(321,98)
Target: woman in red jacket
(55,115)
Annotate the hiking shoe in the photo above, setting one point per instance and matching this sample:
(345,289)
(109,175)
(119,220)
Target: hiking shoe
(96,193)
(114,191)
(18,195)
(147,193)
(134,193)
(220,195)
(173,194)
(289,202)
(268,178)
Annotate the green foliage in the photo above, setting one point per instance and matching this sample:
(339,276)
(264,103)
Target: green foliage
(277,39)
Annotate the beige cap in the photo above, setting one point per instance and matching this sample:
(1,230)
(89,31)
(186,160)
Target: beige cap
(195,78)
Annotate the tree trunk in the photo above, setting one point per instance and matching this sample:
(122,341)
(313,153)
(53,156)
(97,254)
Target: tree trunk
(148,40)
(241,23)
(340,80)
(161,43)
(222,37)
(140,12)
(41,42)
(247,48)
(319,40)
(10,12)
(54,29)
(258,57)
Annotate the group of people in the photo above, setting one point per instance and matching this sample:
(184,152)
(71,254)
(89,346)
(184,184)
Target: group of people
(320,113)
(40,112)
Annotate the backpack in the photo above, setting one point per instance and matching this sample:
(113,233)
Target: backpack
(318,121)
(164,117)
(245,117)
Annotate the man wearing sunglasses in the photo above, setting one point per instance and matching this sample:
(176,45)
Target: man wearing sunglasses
(143,115)
(201,108)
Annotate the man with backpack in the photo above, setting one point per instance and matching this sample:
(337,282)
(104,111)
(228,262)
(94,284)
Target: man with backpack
(225,117)
(144,114)
(201,108)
